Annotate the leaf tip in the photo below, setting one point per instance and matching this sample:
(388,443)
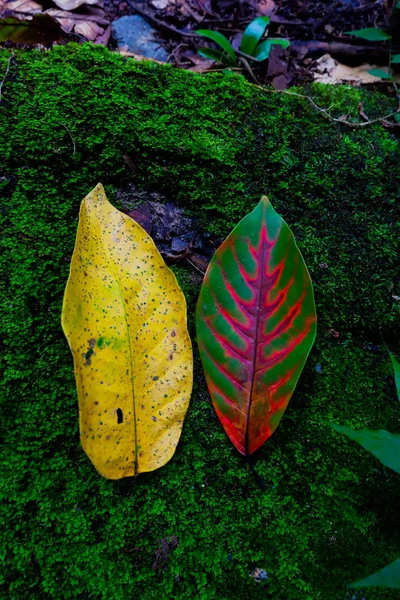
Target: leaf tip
(335,426)
(96,195)
(99,188)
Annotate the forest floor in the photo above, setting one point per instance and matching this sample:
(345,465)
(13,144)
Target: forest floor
(317,30)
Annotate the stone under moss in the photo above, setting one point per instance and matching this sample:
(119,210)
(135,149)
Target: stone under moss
(77,115)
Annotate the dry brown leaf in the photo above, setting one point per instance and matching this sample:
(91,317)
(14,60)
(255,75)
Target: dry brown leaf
(329,70)
(95,11)
(88,30)
(77,18)
(33,29)
(202,67)
(104,37)
(160,4)
(200,64)
(85,23)
(67,24)
(26,7)
(72,4)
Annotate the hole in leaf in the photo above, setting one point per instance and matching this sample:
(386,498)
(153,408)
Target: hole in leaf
(119,415)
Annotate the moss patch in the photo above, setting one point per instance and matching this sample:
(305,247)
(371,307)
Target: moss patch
(79,115)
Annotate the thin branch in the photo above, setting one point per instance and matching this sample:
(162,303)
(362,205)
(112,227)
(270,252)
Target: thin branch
(195,266)
(335,48)
(72,139)
(6,73)
(249,70)
(325,112)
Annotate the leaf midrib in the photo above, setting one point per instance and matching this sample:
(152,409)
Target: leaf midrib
(112,269)
(256,341)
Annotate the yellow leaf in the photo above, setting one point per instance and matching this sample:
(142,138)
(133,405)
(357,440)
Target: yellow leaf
(124,316)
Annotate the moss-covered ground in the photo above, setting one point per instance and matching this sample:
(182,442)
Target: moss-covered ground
(77,115)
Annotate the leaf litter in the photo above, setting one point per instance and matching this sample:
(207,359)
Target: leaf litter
(179,237)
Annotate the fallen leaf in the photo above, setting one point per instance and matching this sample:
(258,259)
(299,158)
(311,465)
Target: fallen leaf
(124,316)
(89,30)
(104,37)
(143,216)
(276,65)
(197,60)
(73,4)
(256,324)
(64,18)
(328,70)
(388,577)
(160,4)
(85,24)
(281,82)
(187,11)
(27,7)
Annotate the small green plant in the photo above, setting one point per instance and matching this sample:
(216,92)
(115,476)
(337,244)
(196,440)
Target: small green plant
(375,34)
(386,447)
(251,45)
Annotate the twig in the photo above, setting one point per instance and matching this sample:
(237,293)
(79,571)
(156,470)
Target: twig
(361,111)
(6,73)
(325,112)
(192,264)
(336,48)
(249,70)
(72,139)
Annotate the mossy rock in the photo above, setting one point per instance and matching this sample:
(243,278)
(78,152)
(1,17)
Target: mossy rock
(78,115)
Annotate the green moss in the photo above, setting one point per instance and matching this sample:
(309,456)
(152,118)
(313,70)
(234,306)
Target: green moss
(79,115)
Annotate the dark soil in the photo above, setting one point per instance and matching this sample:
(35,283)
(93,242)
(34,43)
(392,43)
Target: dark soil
(179,238)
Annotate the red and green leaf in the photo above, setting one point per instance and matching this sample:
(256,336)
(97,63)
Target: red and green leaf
(256,324)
